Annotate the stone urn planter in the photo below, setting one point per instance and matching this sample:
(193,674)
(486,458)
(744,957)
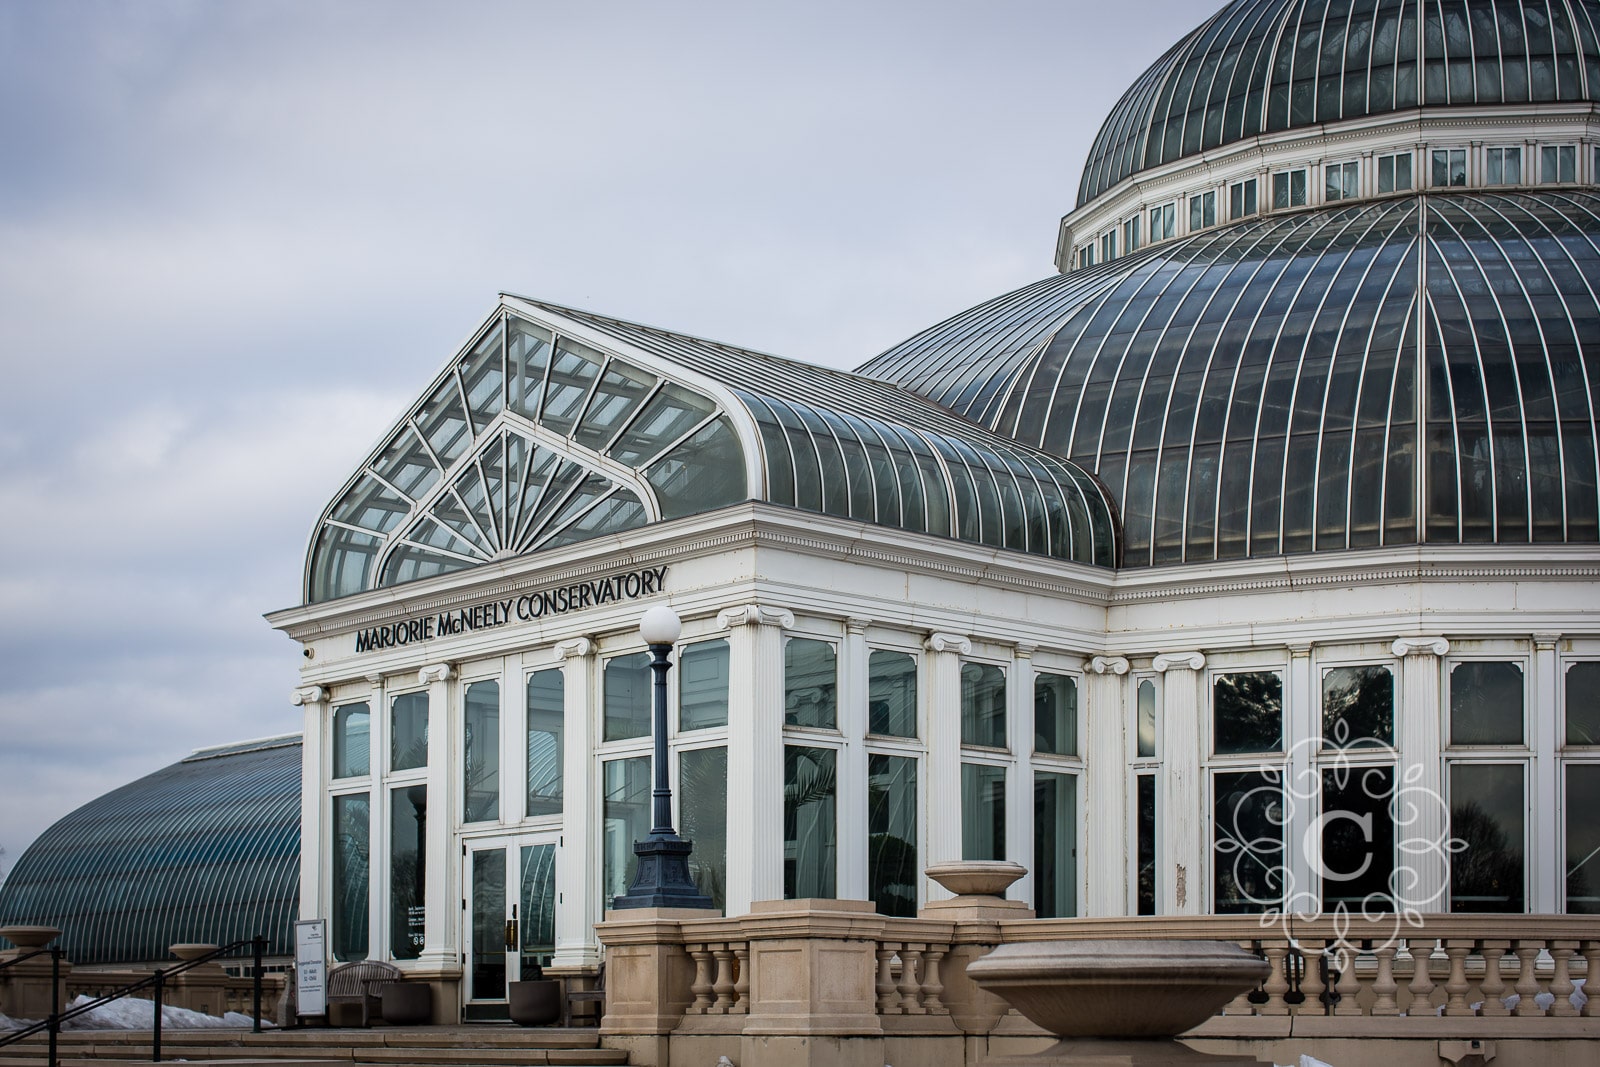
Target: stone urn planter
(28,938)
(534,1001)
(976,878)
(192,950)
(1119,1003)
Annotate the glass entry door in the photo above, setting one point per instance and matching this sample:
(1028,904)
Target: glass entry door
(511,916)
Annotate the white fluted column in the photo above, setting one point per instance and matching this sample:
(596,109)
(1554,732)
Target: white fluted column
(1421,813)
(943,696)
(852,776)
(1019,782)
(578,865)
(1105,790)
(313,799)
(1544,719)
(440,933)
(1302,722)
(1183,785)
(755,754)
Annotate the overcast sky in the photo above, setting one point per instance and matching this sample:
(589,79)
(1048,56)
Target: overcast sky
(236,239)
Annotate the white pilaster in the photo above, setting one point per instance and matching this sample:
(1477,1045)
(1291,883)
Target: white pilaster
(1302,721)
(1105,800)
(577,863)
(942,695)
(755,754)
(1543,727)
(852,776)
(440,934)
(1421,813)
(1019,783)
(1183,784)
(313,800)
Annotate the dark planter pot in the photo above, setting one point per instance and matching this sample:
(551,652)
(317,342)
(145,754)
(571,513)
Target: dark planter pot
(535,1002)
(407,1003)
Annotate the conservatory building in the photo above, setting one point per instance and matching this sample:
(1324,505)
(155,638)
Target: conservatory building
(1250,563)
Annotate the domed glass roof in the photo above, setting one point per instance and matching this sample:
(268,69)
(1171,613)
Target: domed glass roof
(1256,389)
(207,850)
(1258,66)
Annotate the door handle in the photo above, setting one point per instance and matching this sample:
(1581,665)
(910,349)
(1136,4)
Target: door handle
(511,935)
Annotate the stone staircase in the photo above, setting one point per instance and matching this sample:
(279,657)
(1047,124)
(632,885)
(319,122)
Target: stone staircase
(412,1046)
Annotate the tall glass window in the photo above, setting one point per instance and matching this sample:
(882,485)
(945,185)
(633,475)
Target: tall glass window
(1146,740)
(408,834)
(1130,234)
(1486,703)
(1247,712)
(703,685)
(1055,714)
(1108,246)
(1558,163)
(983,705)
(810,684)
(1202,210)
(352,829)
(810,822)
(408,731)
(1488,812)
(1583,703)
(1357,838)
(1357,707)
(538,926)
(625,813)
(627,697)
(891,693)
(1247,858)
(1145,844)
(1242,199)
(703,817)
(1055,845)
(1289,189)
(1449,166)
(1502,166)
(1342,181)
(983,812)
(480,763)
(352,736)
(1394,173)
(1583,839)
(546,715)
(1163,222)
(892,866)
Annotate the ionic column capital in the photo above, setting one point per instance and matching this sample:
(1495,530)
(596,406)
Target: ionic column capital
(941,642)
(1191,661)
(1546,642)
(1109,665)
(436,672)
(1419,646)
(755,615)
(310,694)
(576,648)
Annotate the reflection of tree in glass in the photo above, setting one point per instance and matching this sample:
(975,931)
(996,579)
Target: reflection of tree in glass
(808,817)
(703,778)
(1357,706)
(891,859)
(1487,874)
(350,876)
(1249,712)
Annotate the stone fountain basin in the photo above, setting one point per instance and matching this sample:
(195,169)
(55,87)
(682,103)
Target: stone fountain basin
(1118,989)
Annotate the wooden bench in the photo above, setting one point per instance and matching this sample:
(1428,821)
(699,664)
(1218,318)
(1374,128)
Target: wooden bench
(359,986)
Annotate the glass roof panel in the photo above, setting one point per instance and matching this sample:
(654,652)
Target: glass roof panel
(443,421)
(371,505)
(702,473)
(670,414)
(483,376)
(620,392)
(572,375)
(407,465)
(528,360)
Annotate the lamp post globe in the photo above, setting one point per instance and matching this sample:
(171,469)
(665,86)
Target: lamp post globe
(660,626)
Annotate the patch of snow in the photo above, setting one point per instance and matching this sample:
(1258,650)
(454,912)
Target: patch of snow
(131,1014)
(1306,1060)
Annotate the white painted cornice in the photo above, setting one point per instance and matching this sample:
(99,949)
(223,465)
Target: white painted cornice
(1167,661)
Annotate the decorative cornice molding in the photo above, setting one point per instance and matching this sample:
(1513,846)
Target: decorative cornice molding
(436,672)
(1109,665)
(956,643)
(310,694)
(755,615)
(1191,661)
(1419,646)
(576,648)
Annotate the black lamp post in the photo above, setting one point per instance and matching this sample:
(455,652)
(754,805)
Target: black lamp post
(662,880)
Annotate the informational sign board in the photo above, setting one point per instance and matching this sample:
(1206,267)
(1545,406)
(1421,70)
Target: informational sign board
(311,967)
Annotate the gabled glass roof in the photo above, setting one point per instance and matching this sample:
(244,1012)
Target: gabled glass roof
(556,425)
(1256,389)
(1258,66)
(206,850)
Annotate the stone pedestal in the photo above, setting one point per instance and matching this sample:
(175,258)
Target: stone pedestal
(204,988)
(648,974)
(25,987)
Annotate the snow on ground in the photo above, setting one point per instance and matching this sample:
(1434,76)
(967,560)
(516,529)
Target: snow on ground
(131,1014)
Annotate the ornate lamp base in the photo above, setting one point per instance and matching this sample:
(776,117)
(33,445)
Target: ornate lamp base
(663,878)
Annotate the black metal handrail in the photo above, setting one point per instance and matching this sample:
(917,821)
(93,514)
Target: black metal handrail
(25,956)
(156,982)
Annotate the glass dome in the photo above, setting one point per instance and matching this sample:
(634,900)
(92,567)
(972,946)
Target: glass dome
(206,850)
(1259,66)
(1415,369)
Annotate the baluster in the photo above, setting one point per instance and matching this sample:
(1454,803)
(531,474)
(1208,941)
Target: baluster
(910,986)
(724,983)
(1527,981)
(1241,1004)
(1421,950)
(1311,980)
(887,1004)
(1494,986)
(1349,984)
(1591,988)
(702,979)
(1561,983)
(1455,986)
(932,987)
(741,986)
(1277,984)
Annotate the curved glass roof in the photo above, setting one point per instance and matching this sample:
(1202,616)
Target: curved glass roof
(1256,389)
(206,850)
(1258,66)
(533,438)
